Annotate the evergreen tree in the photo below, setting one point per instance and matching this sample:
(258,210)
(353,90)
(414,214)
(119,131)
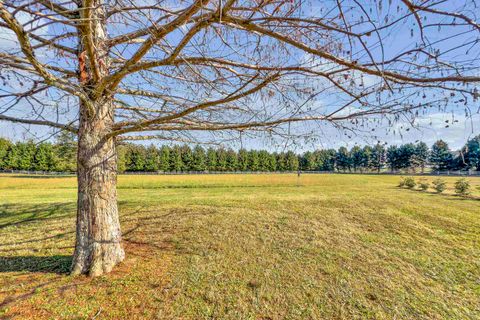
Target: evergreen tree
(281,161)
(164,159)
(135,158)
(221,160)
(176,162)
(406,153)
(292,161)
(342,159)
(441,157)
(232,160)
(243,160)
(308,161)
(272,162)
(187,158)
(325,160)
(199,159)
(378,157)
(263,160)
(152,159)
(211,159)
(420,156)
(356,155)
(254,163)
(366,158)
(393,158)
(45,158)
(11,159)
(66,146)
(121,158)
(4,149)
(472,153)
(25,155)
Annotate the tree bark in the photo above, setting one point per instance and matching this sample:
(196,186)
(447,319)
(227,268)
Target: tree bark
(98,244)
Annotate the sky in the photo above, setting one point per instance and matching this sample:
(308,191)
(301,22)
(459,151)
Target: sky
(450,124)
(431,128)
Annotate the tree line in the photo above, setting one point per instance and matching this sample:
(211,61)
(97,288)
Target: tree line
(61,156)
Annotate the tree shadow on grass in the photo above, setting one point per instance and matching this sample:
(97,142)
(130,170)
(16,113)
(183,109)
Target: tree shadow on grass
(23,228)
(19,214)
(59,264)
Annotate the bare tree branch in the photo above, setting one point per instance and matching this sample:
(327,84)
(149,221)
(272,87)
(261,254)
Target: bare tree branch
(39,122)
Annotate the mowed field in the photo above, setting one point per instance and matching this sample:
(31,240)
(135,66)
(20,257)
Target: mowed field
(247,247)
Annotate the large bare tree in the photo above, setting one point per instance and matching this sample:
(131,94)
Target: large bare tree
(112,70)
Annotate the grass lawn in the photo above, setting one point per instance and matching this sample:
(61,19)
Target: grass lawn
(247,247)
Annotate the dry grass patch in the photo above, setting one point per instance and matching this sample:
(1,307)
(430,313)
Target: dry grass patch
(247,247)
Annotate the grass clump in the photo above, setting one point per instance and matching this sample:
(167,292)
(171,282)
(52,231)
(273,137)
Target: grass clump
(439,185)
(410,182)
(423,184)
(462,187)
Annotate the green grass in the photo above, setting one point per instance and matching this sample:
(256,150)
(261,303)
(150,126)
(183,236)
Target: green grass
(247,247)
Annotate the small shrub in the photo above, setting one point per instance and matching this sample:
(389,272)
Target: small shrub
(439,185)
(423,184)
(402,182)
(410,182)
(462,187)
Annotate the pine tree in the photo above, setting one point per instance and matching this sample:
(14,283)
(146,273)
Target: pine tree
(356,155)
(135,158)
(441,157)
(4,148)
(152,159)
(211,159)
(378,157)
(66,146)
(420,156)
(187,158)
(254,163)
(366,159)
(176,163)
(263,161)
(26,154)
(343,160)
(406,154)
(325,160)
(243,160)
(272,162)
(221,160)
(472,153)
(12,158)
(393,158)
(232,160)
(121,158)
(164,159)
(292,161)
(45,158)
(308,161)
(199,159)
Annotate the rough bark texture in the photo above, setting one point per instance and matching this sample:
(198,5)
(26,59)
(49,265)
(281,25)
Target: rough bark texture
(98,248)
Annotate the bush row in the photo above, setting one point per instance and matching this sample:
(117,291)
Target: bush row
(461,186)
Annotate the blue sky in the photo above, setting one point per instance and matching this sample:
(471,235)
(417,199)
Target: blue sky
(449,123)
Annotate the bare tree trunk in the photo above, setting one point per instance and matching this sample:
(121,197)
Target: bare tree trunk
(98,248)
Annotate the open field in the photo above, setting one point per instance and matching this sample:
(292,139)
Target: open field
(247,247)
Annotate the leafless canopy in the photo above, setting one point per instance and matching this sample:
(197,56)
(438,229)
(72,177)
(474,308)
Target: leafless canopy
(176,67)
